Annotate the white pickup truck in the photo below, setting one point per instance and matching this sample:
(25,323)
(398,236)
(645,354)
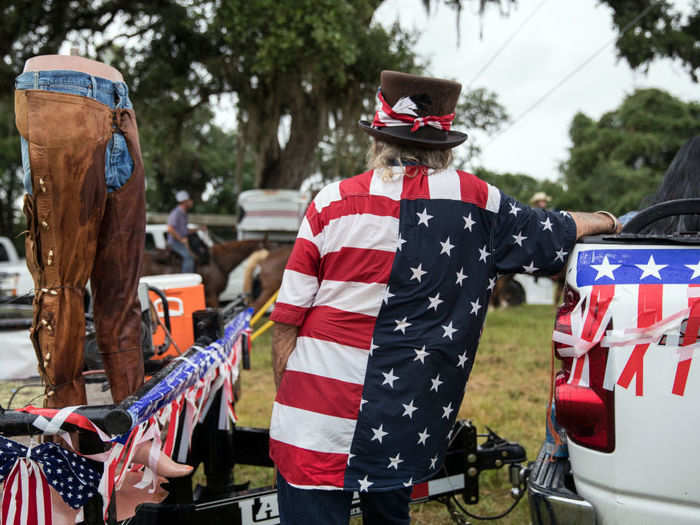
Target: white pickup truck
(15,279)
(626,398)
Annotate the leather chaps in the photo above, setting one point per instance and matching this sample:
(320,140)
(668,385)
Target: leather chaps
(77,230)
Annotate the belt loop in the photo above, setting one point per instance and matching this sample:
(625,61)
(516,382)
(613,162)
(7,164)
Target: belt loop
(93,84)
(36,80)
(118,91)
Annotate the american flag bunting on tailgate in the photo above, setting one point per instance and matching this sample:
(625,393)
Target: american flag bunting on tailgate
(389,282)
(654,298)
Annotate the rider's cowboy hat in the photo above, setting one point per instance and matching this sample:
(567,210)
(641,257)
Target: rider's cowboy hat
(540,196)
(430,101)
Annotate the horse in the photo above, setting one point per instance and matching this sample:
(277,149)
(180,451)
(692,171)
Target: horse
(269,266)
(223,257)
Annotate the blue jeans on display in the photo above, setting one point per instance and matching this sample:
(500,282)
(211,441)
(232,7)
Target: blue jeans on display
(187,259)
(332,507)
(118,162)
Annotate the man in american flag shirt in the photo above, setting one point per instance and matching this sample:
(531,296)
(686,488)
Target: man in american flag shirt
(382,305)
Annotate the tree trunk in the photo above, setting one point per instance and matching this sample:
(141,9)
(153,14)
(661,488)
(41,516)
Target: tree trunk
(287,167)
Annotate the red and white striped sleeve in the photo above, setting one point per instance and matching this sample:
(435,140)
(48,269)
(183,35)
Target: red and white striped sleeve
(300,280)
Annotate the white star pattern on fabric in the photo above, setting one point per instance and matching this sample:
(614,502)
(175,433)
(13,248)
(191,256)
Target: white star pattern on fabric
(409,482)
(468,222)
(446,247)
(394,462)
(434,301)
(695,268)
(564,213)
(379,433)
(420,354)
(447,410)
(518,239)
(513,209)
(418,272)
(546,224)
(483,254)
(373,347)
(462,359)
(389,378)
(350,456)
(433,462)
(362,403)
(423,436)
(400,242)
(461,276)
(530,268)
(449,330)
(436,383)
(605,269)
(365,484)
(449,434)
(387,295)
(560,254)
(492,284)
(423,218)
(475,306)
(409,409)
(651,269)
(402,324)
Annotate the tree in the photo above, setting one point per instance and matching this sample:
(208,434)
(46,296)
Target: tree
(11,188)
(300,72)
(656,29)
(619,160)
(522,187)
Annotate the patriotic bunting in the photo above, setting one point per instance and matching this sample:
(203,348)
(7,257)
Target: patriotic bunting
(634,301)
(28,472)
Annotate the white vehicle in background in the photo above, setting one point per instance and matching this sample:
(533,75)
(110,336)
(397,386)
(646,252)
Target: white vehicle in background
(626,398)
(274,215)
(15,279)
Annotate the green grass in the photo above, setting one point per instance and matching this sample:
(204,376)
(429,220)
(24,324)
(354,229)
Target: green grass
(507,391)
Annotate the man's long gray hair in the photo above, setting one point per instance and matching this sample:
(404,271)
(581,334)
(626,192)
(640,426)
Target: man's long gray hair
(382,156)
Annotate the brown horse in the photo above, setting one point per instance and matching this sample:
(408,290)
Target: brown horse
(223,258)
(270,268)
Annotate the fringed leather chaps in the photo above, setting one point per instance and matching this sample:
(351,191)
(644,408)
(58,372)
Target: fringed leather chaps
(78,230)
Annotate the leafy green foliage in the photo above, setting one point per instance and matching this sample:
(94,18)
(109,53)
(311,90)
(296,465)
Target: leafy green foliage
(522,187)
(616,162)
(11,187)
(664,31)
(300,72)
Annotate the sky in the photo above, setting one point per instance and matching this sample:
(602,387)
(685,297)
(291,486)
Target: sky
(556,38)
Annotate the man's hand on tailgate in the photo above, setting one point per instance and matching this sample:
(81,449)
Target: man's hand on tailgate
(595,223)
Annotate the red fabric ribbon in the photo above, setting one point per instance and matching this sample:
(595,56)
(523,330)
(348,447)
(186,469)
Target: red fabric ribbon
(388,116)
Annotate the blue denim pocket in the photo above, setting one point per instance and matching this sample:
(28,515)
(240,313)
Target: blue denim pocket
(118,162)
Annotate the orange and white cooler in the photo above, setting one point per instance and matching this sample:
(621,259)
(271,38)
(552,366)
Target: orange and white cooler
(185,294)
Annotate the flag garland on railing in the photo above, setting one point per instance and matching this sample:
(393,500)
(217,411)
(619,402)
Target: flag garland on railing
(189,388)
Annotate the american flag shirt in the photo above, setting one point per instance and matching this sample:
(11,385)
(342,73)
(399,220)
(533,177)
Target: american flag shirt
(388,283)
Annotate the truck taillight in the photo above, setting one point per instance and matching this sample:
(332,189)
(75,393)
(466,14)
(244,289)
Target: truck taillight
(587,412)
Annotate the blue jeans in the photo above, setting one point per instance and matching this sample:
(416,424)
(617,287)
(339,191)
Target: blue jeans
(326,507)
(187,259)
(118,162)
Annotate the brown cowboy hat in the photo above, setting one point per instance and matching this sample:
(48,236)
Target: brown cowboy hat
(432,97)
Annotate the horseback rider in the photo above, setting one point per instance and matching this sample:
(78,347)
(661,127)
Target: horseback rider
(178,230)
